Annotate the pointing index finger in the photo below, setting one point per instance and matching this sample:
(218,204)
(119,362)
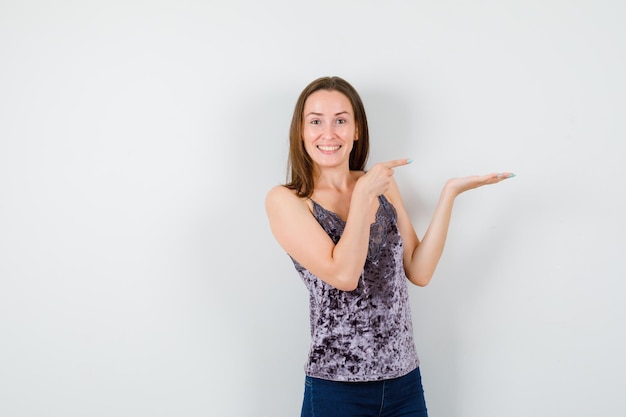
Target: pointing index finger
(397,162)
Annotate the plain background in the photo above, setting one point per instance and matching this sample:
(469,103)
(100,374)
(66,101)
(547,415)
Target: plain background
(138,275)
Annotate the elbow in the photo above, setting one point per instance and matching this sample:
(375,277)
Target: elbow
(422,283)
(421,280)
(346,288)
(419,272)
(347,282)
(348,285)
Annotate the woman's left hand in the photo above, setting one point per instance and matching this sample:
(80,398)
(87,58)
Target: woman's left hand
(460,185)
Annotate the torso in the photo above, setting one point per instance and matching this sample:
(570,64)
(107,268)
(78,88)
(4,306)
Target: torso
(365,334)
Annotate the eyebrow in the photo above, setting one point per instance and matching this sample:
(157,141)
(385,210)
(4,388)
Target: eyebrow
(321,114)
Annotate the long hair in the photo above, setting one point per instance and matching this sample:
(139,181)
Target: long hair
(300,165)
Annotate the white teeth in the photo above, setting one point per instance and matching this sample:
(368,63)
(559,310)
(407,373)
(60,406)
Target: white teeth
(328,148)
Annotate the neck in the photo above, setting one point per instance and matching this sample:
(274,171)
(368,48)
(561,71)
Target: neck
(340,178)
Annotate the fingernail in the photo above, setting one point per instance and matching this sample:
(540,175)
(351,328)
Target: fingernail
(408,161)
(510,175)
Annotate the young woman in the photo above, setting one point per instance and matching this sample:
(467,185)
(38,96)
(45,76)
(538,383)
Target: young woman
(353,244)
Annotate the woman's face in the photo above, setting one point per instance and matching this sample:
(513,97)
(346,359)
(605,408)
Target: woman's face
(329,129)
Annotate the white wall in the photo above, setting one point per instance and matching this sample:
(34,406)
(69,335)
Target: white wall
(138,276)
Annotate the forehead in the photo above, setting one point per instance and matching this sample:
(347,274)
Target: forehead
(327,102)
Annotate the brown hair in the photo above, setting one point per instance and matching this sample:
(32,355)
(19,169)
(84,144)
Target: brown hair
(300,165)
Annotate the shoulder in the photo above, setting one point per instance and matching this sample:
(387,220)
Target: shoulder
(280,198)
(281,193)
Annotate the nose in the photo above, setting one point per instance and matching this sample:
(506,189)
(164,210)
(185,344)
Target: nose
(329,130)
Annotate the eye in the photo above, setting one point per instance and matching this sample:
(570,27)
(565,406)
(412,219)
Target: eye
(315,122)
(341,121)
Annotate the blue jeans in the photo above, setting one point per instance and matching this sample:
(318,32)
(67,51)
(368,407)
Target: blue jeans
(402,396)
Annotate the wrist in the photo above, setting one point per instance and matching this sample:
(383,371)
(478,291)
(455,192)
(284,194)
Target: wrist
(450,190)
(362,196)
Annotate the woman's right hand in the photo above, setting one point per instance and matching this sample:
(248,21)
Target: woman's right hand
(378,179)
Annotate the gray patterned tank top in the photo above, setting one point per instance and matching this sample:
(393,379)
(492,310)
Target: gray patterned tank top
(365,334)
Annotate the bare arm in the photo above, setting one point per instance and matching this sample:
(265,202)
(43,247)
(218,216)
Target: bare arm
(301,236)
(421,258)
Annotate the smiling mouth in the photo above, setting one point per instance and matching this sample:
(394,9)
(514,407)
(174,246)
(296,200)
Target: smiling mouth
(328,148)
